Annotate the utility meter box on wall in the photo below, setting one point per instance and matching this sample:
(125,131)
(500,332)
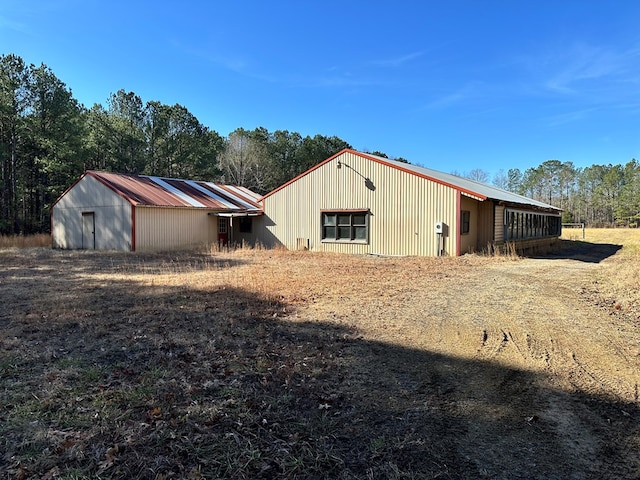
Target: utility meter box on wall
(439,227)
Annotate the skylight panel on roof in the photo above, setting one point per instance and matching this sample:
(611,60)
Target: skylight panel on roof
(234,197)
(191,201)
(248,193)
(210,194)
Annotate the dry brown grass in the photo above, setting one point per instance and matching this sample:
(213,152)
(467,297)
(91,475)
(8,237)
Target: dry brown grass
(257,363)
(629,238)
(25,241)
(619,284)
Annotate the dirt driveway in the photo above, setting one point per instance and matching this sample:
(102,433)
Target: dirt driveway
(532,371)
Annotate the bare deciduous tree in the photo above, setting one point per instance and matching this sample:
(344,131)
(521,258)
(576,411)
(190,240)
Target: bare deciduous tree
(478,175)
(500,179)
(243,162)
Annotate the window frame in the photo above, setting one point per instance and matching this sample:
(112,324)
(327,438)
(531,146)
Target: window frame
(223,225)
(245,225)
(338,224)
(465,222)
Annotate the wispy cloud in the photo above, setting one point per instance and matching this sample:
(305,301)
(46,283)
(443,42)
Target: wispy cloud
(332,77)
(338,81)
(396,62)
(569,117)
(581,79)
(447,100)
(9,24)
(17,15)
(235,63)
(598,73)
(350,76)
(337,77)
(462,95)
(582,65)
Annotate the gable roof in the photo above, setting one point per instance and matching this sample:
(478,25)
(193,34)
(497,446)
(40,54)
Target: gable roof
(142,190)
(467,187)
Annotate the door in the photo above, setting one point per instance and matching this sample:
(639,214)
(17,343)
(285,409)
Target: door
(88,231)
(223,231)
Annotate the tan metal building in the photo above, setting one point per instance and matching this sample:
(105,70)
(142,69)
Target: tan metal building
(360,203)
(110,211)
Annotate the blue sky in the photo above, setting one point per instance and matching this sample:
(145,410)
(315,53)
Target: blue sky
(450,85)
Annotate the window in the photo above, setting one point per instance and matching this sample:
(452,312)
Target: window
(525,225)
(245,225)
(465,226)
(346,226)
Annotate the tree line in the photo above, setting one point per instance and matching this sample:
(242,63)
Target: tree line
(599,195)
(47,139)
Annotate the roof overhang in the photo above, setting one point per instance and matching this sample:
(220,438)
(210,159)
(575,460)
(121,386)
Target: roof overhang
(475,197)
(530,208)
(235,214)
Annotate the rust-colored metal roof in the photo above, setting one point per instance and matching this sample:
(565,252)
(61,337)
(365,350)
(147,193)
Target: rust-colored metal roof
(173,192)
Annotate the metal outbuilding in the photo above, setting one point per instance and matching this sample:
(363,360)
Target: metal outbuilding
(355,202)
(111,211)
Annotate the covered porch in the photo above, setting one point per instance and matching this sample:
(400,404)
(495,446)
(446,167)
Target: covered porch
(234,228)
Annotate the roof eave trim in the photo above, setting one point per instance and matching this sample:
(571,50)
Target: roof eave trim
(305,173)
(476,195)
(96,175)
(68,189)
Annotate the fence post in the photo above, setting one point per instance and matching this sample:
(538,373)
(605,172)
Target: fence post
(581,225)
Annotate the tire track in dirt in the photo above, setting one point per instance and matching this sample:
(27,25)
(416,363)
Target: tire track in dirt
(550,329)
(541,322)
(532,372)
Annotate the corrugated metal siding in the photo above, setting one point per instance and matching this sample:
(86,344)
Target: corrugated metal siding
(404,208)
(499,224)
(469,241)
(170,228)
(112,215)
(485,224)
(169,213)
